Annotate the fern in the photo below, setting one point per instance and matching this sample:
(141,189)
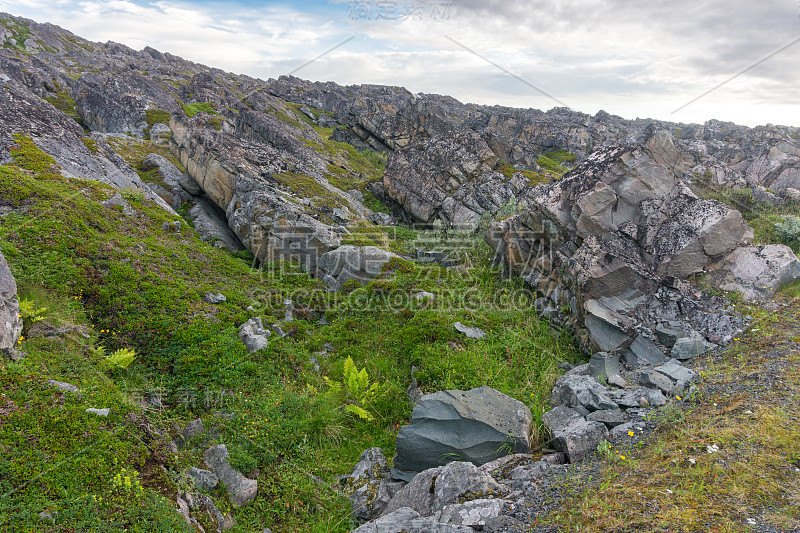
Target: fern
(29,313)
(358,392)
(358,411)
(121,358)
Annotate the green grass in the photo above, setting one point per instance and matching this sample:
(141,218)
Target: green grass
(198,107)
(126,283)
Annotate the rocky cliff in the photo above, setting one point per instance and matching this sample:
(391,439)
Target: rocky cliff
(300,140)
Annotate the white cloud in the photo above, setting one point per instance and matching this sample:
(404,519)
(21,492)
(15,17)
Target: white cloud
(630,58)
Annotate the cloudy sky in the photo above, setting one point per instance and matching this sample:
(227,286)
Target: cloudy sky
(632,58)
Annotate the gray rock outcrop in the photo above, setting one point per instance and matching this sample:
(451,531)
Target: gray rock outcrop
(254,335)
(241,490)
(352,263)
(369,487)
(10,321)
(608,246)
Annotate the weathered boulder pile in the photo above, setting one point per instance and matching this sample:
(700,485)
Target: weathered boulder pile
(457,497)
(608,250)
(609,247)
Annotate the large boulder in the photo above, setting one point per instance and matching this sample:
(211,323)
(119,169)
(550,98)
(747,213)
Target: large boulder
(757,271)
(478,426)
(10,321)
(352,263)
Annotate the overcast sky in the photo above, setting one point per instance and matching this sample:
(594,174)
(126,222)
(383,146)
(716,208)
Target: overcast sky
(629,57)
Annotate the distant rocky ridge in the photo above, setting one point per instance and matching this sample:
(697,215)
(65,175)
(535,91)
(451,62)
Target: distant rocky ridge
(447,160)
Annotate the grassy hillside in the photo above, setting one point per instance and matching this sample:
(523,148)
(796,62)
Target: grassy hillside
(103,280)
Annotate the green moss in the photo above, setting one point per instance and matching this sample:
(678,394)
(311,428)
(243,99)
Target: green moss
(561,156)
(91,144)
(30,157)
(198,107)
(285,118)
(550,165)
(156,116)
(301,115)
(534,178)
(307,187)
(63,102)
(372,203)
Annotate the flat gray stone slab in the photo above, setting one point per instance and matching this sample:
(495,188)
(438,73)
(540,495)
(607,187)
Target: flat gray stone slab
(470,331)
(478,426)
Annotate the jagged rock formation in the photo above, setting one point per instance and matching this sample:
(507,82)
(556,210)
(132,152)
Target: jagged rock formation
(409,125)
(76,153)
(243,138)
(609,245)
(369,487)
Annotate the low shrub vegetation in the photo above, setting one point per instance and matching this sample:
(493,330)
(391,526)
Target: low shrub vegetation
(136,337)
